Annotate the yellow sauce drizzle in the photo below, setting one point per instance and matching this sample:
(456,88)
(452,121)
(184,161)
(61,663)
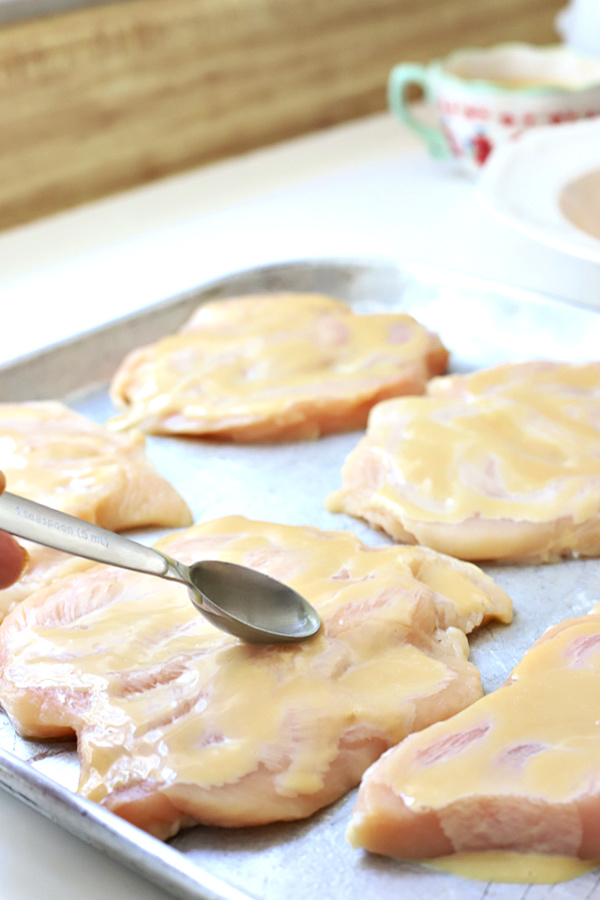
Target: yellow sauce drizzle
(279,360)
(515,442)
(513,868)
(161,697)
(514,769)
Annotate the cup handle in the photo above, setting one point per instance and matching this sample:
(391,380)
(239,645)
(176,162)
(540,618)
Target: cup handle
(399,80)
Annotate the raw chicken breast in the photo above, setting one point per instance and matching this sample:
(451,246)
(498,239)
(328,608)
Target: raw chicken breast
(56,456)
(503,464)
(274,367)
(517,771)
(52,454)
(43,566)
(179,723)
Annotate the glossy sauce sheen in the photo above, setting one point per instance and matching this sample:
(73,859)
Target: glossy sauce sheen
(501,464)
(179,723)
(509,787)
(57,457)
(274,366)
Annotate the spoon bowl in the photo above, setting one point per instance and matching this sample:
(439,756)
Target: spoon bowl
(242,601)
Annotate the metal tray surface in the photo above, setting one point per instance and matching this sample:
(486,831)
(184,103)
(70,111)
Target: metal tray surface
(482,324)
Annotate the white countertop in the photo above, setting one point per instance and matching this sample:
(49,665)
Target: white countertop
(365,190)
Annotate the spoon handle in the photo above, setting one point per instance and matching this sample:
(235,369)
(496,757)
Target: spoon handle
(36,522)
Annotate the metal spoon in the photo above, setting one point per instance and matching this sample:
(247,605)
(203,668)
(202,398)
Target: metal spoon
(252,606)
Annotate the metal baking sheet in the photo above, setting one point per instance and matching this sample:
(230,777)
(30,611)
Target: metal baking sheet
(482,324)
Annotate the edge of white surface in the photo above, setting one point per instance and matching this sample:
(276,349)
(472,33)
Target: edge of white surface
(198,192)
(116,838)
(64,274)
(91,256)
(521,183)
(363,190)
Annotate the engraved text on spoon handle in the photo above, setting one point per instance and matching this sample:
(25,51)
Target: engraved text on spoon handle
(36,522)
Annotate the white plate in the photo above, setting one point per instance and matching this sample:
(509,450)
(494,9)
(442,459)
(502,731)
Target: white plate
(545,182)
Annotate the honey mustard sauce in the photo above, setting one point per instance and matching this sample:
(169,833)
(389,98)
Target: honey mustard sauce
(514,443)
(236,362)
(47,449)
(514,868)
(164,701)
(506,780)
(54,455)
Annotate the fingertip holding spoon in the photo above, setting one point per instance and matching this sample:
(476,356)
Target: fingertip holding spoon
(244,602)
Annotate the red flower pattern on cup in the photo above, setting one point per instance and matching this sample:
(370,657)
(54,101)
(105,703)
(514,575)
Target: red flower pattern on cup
(511,119)
(481,148)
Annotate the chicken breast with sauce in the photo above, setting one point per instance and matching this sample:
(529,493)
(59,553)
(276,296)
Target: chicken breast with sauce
(53,455)
(179,723)
(274,367)
(502,464)
(508,789)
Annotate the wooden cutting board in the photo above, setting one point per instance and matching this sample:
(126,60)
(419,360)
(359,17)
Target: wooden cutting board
(103,98)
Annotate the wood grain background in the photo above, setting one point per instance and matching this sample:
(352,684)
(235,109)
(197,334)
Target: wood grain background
(103,98)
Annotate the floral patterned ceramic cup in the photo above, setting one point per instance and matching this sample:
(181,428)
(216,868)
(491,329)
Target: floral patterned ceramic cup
(481,97)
